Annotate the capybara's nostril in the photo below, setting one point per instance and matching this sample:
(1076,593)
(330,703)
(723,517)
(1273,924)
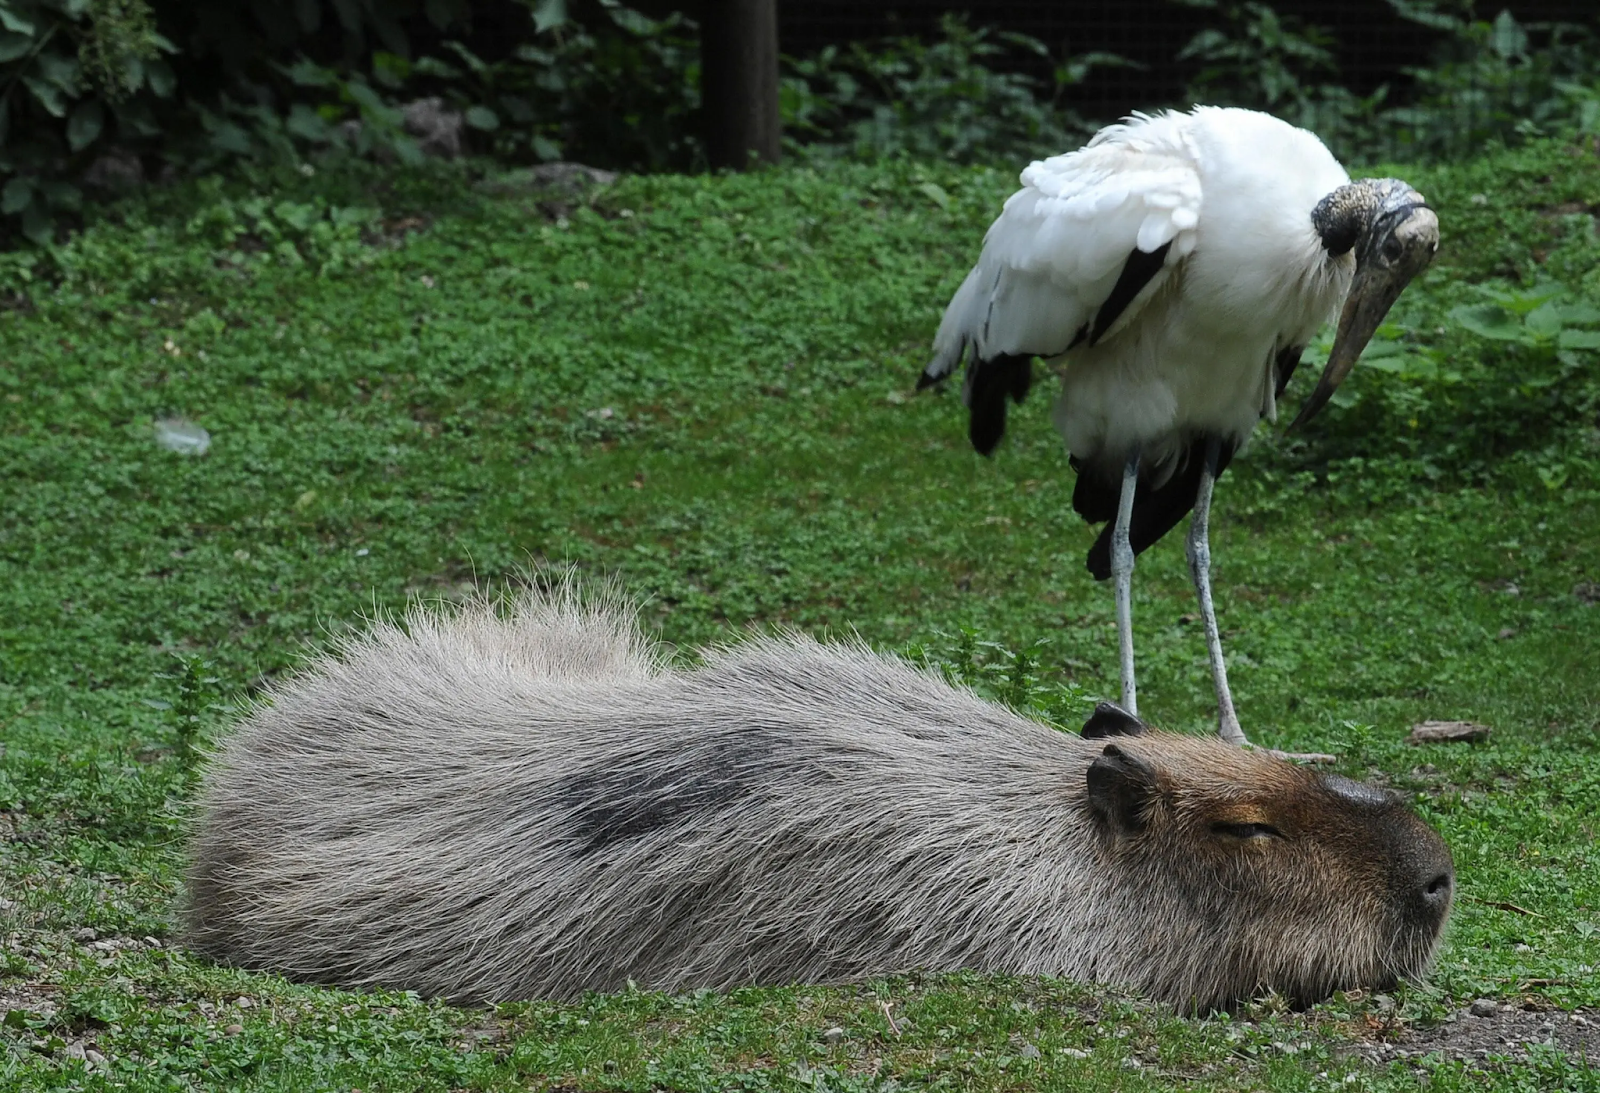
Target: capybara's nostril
(1437,891)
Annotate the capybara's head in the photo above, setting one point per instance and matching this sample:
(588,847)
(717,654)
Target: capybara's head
(1253,874)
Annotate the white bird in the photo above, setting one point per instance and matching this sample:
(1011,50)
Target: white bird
(1175,269)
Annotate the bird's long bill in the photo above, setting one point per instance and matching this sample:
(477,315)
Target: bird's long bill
(1372,294)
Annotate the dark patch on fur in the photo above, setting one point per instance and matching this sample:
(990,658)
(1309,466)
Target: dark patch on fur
(1109,719)
(994,381)
(1136,273)
(656,789)
(1155,510)
(1283,367)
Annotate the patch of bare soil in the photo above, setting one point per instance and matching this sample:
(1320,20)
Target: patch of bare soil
(33,998)
(1486,1032)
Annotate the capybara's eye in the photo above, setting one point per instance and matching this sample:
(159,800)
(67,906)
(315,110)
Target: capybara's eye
(1247,831)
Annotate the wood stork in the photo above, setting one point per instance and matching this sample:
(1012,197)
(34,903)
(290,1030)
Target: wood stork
(1175,267)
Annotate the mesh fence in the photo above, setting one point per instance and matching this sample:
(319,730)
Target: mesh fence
(1373,52)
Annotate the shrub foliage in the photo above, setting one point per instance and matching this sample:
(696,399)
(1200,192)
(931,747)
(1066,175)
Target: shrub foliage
(100,93)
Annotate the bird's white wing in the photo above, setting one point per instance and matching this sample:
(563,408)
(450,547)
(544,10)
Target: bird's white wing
(1078,250)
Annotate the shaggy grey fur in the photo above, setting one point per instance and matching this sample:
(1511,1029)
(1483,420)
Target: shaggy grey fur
(524,799)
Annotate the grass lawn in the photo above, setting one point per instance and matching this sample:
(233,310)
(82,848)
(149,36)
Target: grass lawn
(703,385)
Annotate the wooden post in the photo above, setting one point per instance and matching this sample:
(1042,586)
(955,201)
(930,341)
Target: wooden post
(739,81)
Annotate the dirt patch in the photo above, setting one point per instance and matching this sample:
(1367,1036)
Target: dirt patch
(1570,208)
(1486,1032)
(28,997)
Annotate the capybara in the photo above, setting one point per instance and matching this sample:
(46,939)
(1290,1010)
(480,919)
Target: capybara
(525,798)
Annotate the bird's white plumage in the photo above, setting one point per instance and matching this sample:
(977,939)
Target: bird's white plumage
(1246,276)
(1057,249)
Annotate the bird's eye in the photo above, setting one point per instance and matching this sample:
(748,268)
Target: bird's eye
(1392,249)
(1247,831)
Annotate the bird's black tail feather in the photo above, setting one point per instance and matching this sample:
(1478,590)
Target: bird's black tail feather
(1093,497)
(1156,510)
(990,382)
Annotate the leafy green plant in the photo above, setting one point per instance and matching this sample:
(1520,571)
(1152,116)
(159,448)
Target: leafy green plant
(358,116)
(1261,59)
(327,237)
(1543,317)
(595,81)
(1462,399)
(1258,58)
(71,73)
(1489,79)
(955,97)
(599,83)
(194,706)
(1018,677)
(93,82)
(1585,100)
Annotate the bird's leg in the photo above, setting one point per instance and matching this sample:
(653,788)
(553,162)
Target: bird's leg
(1200,566)
(1122,574)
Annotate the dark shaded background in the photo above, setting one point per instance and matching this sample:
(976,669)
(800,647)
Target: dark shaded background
(1374,44)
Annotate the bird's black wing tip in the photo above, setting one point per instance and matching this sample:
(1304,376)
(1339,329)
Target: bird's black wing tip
(928,379)
(985,432)
(990,383)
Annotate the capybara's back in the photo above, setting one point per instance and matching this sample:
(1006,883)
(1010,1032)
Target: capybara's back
(525,800)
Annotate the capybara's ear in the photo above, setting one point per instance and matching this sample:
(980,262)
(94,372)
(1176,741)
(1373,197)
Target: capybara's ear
(1109,719)
(1121,786)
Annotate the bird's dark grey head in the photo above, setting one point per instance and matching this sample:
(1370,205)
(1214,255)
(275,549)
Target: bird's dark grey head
(1393,233)
(1368,209)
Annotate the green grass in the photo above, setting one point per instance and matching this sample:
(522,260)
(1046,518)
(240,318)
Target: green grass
(703,385)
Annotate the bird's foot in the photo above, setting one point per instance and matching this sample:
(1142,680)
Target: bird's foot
(1320,758)
(1229,731)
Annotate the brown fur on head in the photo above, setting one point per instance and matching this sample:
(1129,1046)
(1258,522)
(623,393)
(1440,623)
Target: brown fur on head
(1293,881)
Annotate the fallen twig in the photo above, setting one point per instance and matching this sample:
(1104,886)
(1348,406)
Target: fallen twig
(1502,905)
(1319,757)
